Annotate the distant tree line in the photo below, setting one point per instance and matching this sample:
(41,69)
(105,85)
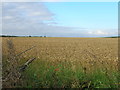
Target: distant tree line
(7,36)
(20,36)
(113,37)
(36,36)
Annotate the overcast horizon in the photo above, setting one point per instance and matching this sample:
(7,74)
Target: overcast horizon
(60,19)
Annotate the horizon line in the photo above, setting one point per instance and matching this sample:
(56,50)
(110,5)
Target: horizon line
(56,37)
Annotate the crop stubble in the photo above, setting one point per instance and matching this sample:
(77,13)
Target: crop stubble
(89,53)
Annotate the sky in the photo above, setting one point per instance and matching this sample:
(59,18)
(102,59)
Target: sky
(60,19)
(60,0)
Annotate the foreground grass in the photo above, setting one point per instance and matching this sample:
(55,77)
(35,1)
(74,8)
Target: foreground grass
(46,74)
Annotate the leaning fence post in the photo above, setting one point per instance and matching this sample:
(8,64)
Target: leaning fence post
(23,67)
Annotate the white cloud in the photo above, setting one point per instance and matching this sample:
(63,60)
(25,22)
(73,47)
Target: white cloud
(7,17)
(98,32)
(105,32)
(36,14)
(27,9)
(101,33)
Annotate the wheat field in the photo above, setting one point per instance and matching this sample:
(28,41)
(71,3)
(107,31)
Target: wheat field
(88,54)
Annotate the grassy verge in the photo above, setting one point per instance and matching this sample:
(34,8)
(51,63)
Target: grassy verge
(46,74)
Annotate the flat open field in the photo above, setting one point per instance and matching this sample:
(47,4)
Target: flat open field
(64,62)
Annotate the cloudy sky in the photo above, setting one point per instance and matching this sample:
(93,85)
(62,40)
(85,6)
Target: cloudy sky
(60,19)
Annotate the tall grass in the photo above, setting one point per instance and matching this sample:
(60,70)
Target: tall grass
(44,74)
(11,75)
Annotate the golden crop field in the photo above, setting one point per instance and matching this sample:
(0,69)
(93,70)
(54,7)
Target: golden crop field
(88,53)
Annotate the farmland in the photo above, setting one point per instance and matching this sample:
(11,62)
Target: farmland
(63,62)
